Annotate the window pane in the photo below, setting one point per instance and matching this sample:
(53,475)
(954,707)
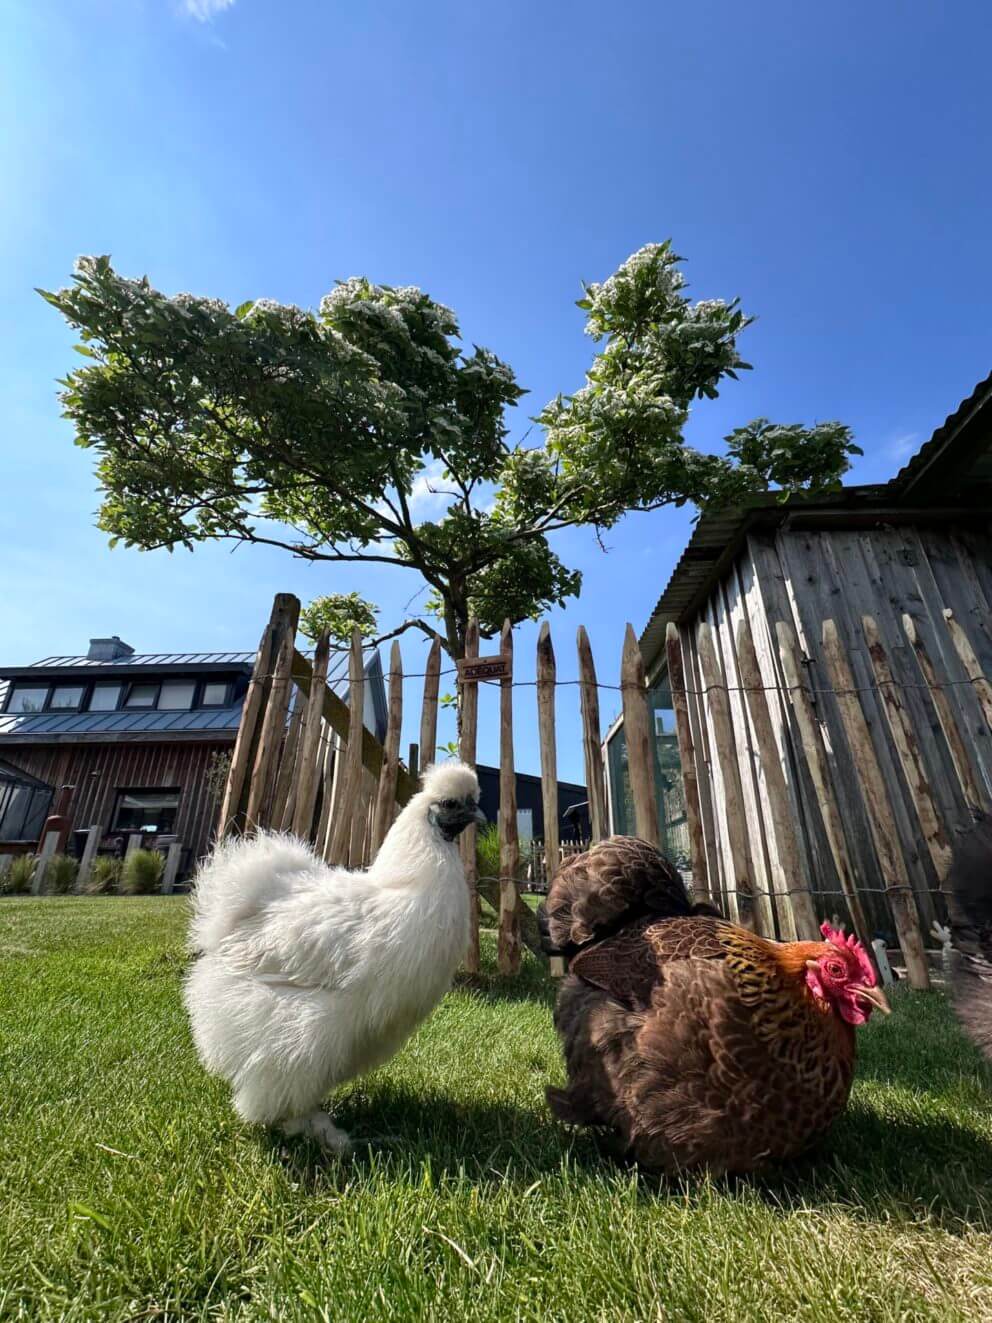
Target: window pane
(142,695)
(214,695)
(177,695)
(66,697)
(28,699)
(146,810)
(105,697)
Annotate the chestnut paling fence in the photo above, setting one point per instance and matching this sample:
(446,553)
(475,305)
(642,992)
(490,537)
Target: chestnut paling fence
(304,762)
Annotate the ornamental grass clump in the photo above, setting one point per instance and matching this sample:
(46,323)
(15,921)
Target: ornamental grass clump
(19,876)
(104,876)
(60,875)
(142,872)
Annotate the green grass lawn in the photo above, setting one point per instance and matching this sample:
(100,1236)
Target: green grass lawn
(128,1189)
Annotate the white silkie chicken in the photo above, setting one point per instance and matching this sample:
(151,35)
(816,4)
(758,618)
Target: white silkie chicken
(308,976)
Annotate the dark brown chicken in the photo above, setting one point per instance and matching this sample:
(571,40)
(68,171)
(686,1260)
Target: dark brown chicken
(694,1041)
(970,881)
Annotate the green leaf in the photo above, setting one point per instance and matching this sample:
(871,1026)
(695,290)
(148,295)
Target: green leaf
(91,1215)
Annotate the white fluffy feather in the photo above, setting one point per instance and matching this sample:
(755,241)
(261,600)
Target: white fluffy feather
(308,976)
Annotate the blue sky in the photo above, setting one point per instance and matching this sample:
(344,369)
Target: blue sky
(827,163)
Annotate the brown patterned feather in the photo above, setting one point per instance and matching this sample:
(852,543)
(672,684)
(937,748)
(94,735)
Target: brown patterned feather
(698,1044)
(615,882)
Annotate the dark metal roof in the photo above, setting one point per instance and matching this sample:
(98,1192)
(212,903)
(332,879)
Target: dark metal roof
(950,473)
(154,659)
(125,724)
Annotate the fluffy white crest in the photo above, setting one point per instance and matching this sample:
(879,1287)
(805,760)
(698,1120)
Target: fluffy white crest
(451,780)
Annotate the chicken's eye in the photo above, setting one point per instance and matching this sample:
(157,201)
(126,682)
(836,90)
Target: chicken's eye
(449,803)
(835,969)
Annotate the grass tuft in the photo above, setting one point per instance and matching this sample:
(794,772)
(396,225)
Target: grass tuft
(128,1189)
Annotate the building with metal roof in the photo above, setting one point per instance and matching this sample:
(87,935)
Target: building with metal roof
(136,742)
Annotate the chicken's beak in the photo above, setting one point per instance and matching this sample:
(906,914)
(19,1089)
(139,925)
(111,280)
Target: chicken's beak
(479,818)
(876,996)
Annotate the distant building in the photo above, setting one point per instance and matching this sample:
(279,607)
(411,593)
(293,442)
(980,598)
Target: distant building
(573,806)
(141,740)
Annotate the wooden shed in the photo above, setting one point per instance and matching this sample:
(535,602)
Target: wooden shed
(837,759)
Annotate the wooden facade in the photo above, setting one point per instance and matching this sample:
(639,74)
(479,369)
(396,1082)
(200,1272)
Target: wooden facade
(99,772)
(898,579)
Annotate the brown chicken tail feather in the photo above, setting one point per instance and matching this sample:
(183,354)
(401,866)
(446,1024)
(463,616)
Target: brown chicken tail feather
(614,883)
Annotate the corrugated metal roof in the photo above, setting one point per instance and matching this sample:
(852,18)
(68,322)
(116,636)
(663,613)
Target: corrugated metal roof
(210,722)
(935,450)
(154,659)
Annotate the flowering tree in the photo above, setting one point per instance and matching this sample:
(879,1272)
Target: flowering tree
(309,430)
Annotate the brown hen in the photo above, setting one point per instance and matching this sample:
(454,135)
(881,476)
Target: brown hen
(694,1041)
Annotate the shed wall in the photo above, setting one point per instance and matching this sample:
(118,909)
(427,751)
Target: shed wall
(805,577)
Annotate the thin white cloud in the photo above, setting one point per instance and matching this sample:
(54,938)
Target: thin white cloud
(204,11)
(901,447)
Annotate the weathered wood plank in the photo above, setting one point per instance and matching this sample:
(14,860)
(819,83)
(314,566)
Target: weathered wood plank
(945,714)
(467,749)
(819,769)
(508,943)
(232,814)
(285,778)
(310,751)
(591,739)
(797,915)
(971,664)
(336,714)
(740,884)
(285,617)
(883,827)
(637,728)
(547,674)
(687,756)
(907,746)
(351,777)
(428,715)
(715,870)
(385,802)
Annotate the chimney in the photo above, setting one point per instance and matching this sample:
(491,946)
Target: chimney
(109,650)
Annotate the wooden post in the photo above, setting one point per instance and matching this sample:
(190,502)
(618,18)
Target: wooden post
(547,675)
(591,739)
(797,915)
(637,728)
(350,784)
(285,616)
(360,820)
(310,761)
(687,757)
(882,960)
(281,806)
(908,748)
(48,848)
(89,853)
(740,885)
(819,770)
(467,749)
(133,843)
(971,664)
(428,716)
(171,870)
(330,771)
(232,813)
(880,819)
(385,802)
(945,714)
(508,952)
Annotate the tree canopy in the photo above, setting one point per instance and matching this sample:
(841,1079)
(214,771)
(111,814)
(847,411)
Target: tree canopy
(310,429)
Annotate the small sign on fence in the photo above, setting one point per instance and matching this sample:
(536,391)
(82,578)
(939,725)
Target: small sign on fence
(485,668)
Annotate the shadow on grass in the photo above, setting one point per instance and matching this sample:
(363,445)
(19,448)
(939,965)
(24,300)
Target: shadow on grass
(531,984)
(871,1165)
